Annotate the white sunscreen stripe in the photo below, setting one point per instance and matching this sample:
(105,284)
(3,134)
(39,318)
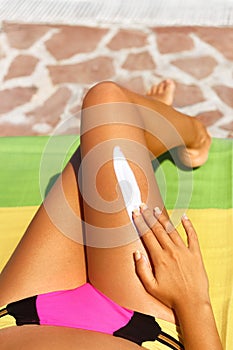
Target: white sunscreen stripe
(127,182)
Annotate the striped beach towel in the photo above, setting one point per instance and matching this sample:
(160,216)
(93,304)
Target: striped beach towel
(205,194)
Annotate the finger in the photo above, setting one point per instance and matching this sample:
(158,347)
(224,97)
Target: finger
(156,227)
(146,234)
(164,220)
(140,223)
(148,216)
(193,242)
(144,272)
(173,234)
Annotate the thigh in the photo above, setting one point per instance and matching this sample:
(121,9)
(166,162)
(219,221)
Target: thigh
(111,266)
(111,237)
(60,338)
(49,257)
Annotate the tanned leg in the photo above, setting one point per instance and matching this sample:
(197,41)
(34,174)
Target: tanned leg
(115,117)
(60,338)
(46,259)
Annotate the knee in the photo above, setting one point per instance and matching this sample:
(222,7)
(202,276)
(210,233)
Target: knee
(103,92)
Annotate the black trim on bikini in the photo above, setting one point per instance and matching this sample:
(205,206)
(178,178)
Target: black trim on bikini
(169,341)
(143,328)
(24,311)
(139,329)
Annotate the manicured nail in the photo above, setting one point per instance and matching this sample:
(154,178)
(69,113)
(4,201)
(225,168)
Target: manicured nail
(157,211)
(184,216)
(137,255)
(136,212)
(143,206)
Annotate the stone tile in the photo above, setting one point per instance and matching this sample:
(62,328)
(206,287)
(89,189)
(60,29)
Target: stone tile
(220,38)
(127,38)
(72,40)
(87,72)
(139,61)
(228,126)
(210,117)
(42,128)
(171,40)
(172,29)
(186,95)
(199,67)
(8,129)
(17,96)
(64,45)
(2,53)
(52,109)
(71,131)
(225,93)
(22,65)
(75,109)
(135,84)
(23,36)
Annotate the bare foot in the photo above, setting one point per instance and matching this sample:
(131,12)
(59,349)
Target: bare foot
(195,154)
(163,92)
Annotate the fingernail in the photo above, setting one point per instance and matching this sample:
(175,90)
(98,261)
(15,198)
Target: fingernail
(184,216)
(136,212)
(157,211)
(137,255)
(143,206)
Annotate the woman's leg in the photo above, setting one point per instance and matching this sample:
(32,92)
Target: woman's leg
(60,338)
(114,118)
(172,130)
(46,259)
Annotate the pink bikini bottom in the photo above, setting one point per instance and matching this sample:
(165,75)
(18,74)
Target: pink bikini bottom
(87,308)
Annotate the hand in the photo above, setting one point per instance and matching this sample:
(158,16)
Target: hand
(176,275)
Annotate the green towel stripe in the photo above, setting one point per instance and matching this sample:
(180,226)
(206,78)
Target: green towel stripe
(212,183)
(20,159)
(20,162)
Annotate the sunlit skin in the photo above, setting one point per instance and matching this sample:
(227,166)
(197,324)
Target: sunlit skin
(32,270)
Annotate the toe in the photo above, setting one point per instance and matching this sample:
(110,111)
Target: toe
(155,89)
(152,91)
(163,92)
(149,92)
(170,85)
(162,87)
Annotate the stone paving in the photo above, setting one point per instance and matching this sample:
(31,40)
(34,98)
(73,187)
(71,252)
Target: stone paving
(46,69)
